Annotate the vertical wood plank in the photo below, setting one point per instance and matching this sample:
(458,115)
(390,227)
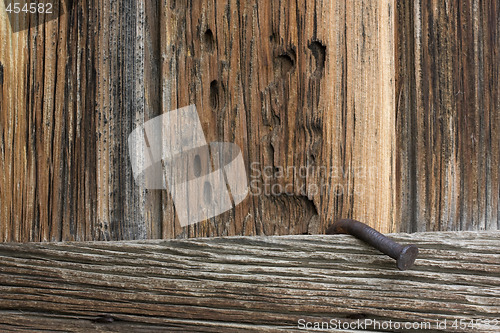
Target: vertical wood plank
(13,54)
(452,112)
(299,86)
(73,90)
(370,125)
(405,88)
(120,108)
(151,82)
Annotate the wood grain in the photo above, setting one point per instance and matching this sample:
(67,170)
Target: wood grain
(243,284)
(73,89)
(382,111)
(306,89)
(448,115)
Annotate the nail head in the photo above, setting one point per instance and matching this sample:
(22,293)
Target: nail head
(407,257)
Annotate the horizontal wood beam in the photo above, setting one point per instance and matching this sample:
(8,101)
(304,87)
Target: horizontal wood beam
(264,284)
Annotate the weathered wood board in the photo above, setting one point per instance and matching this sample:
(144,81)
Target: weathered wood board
(73,89)
(448,111)
(306,93)
(248,284)
(387,112)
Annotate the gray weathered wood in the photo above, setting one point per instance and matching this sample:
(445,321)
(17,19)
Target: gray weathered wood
(448,115)
(72,91)
(245,284)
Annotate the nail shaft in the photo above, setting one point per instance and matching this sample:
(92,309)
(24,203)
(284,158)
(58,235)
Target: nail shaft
(405,255)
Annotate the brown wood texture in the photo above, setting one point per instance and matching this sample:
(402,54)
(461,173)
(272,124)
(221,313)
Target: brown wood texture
(382,111)
(448,115)
(301,87)
(248,284)
(73,89)
(298,86)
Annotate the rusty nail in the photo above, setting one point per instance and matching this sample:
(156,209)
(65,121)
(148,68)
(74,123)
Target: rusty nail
(405,255)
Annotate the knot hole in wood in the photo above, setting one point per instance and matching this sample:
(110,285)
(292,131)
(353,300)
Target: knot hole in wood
(319,52)
(284,64)
(209,40)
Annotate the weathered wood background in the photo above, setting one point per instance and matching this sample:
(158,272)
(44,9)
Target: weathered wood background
(249,284)
(393,106)
(448,111)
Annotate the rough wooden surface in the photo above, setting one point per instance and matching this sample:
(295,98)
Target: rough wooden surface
(306,86)
(73,90)
(383,111)
(448,111)
(246,283)
(306,89)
